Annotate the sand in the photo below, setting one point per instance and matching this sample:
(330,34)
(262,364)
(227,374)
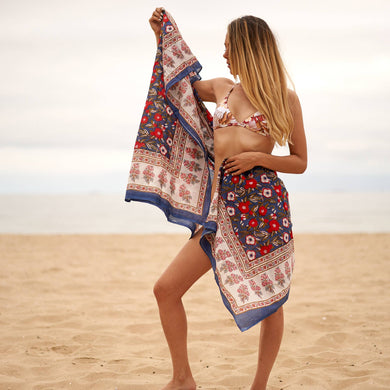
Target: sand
(78,312)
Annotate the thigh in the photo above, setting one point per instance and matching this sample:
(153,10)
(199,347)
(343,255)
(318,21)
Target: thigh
(186,268)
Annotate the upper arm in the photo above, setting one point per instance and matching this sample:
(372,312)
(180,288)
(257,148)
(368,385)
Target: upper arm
(298,145)
(205,90)
(210,90)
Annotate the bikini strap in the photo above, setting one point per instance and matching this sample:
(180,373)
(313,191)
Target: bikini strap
(227,96)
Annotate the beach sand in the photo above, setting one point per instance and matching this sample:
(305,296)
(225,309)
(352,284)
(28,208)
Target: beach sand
(78,312)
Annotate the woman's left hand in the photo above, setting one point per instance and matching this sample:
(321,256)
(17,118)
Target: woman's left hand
(242,162)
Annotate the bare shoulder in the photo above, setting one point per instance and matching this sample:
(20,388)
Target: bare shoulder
(222,83)
(211,90)
(221,86)
(298,134)
(293,100)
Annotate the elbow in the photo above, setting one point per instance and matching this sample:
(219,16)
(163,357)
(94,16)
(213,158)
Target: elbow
(301,168)
(301,171)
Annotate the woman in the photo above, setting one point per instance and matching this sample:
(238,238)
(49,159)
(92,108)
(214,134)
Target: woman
(250,117)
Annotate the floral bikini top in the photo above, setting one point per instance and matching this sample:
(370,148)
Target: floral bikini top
(224,118)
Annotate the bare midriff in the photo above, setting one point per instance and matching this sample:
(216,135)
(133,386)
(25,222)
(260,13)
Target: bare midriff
(232,140)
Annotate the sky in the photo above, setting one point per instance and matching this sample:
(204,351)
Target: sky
(74,77)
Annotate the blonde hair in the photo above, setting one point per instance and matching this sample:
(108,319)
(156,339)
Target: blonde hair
(255,59)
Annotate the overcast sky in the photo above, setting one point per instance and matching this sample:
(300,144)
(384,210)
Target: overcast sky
(74,77)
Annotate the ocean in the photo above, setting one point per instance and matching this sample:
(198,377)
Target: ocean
(95,213)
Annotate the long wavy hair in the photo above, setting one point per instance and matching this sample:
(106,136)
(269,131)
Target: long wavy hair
(255,59)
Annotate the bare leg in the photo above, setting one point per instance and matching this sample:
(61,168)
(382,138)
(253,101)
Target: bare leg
(188,266)
(270,338)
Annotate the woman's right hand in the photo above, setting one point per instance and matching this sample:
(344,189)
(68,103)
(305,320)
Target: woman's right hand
(155,21)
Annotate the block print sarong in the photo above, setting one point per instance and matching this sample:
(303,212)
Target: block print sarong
(249,241)
(173,160)
(247,228)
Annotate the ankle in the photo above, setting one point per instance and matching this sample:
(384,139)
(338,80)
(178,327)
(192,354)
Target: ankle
(185,383)
(259,384)
(258,387)
(183,378)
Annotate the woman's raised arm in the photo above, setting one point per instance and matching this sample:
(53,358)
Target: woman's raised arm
(211,90)
(155,22)
(205,89)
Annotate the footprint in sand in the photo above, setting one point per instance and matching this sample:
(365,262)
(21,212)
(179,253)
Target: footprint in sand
(63,349)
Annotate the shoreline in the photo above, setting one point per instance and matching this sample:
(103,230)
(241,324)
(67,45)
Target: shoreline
(110,214)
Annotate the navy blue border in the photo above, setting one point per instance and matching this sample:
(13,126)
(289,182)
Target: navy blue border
(245,320)
(180,217)
(252,317)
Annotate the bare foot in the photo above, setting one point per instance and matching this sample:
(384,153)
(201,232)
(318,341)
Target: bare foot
(186,384)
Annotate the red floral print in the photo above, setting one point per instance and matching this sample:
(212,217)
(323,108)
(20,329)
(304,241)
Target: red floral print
(158,133)
(278,190)
(265,249)
(266,282)
(228,266)
(256,288)
(279,277)
(287,270)
(233,279)
(247,201)
(139,145)
(251,183)
(244,207)
(235,179)
(243,292)
(184,193)
(262,210)
(273,226)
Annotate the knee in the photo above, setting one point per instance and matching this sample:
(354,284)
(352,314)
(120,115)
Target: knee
(275,318)
(164,291)
(158,290)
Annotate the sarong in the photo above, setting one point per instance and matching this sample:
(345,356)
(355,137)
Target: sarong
(246,226)
(248,238)
(172,165)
